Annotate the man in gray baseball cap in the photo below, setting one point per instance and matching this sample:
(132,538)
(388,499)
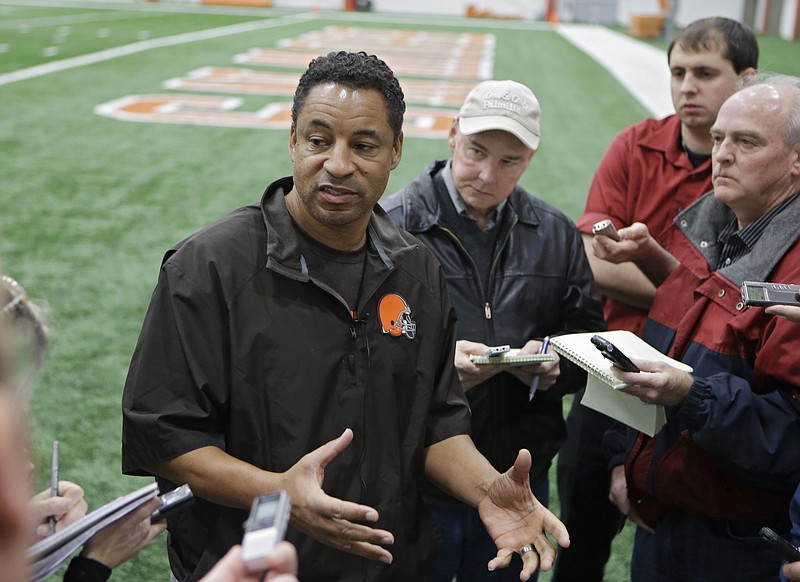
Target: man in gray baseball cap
(516,272)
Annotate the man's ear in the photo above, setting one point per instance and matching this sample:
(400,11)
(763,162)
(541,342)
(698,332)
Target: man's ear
(796,162)
(451,136)
(748,72)
(292,142)
(397,151)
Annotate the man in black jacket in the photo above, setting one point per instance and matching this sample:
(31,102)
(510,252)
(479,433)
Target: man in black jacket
(516,272)
(306,344)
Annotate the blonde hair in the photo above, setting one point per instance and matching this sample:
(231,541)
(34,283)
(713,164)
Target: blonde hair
(24,337)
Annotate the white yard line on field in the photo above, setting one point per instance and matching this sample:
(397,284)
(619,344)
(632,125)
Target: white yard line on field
(137,47)
(639,67)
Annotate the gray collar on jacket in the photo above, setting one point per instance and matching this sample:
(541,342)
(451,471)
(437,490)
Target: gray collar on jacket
(702,222)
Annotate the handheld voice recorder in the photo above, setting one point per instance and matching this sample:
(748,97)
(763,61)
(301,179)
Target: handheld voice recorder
(763,294)
(611,352)
(264,528)
(172,500)
(606,228)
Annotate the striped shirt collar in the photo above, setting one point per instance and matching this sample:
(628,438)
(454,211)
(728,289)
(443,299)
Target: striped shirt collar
(737,243)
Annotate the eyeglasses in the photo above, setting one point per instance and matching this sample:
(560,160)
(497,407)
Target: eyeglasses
(17,296)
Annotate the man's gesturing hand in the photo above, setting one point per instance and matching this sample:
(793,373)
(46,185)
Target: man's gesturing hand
(515,518)
(327,519)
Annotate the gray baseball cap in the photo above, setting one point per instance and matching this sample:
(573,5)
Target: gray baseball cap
(504,105)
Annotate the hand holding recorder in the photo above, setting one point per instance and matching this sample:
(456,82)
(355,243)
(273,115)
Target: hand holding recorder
(606,228)
(763,294)
(282,566)
(778,298)
(611,352)
(264,528)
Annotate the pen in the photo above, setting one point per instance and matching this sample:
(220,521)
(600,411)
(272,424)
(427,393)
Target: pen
(54,481)
(535,381)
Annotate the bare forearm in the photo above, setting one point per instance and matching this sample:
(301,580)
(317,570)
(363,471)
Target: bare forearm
(218,477)
(623,282)
(460,469)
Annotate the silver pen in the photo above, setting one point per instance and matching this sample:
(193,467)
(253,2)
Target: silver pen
(54,480)
(535,381)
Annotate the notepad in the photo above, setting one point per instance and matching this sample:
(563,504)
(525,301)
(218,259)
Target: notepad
(602,386)
(47,555)
(511,358)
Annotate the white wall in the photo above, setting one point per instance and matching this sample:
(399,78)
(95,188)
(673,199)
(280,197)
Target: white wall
(686,10)
(529,9)
(790,8)
(321,4)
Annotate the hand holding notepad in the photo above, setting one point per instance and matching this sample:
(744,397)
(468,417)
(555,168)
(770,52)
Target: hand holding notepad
(512,357)
(602,386)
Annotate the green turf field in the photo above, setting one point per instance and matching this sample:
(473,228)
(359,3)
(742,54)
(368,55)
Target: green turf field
(89,204)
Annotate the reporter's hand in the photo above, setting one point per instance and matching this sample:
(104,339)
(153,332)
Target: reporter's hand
(638,246)
(618,495)
(470,373)
(790,312)
(792,571)
(332,521)
(231,568)
(657,383)
(123,539)
(548,372)
(634,244)
(67,507)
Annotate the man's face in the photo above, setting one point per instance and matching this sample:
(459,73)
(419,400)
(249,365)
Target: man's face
(753,169)
(486,167)
(343,150)
(700,82)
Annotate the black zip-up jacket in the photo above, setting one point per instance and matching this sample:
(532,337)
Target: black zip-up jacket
(244,349)
(540,284)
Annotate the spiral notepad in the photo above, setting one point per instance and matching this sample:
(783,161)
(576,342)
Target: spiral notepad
(47,555)
(511,358)
(602,386)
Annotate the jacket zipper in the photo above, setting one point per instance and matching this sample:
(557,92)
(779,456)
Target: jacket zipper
(487,307)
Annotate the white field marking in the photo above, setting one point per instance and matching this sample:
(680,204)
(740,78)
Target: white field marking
(640,68)
(436,93)
(211,110)
(137,47)
(10,24)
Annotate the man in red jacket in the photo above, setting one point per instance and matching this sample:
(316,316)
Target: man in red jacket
(651,171)
(728,459)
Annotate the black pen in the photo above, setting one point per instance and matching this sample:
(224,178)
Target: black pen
(54,481)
